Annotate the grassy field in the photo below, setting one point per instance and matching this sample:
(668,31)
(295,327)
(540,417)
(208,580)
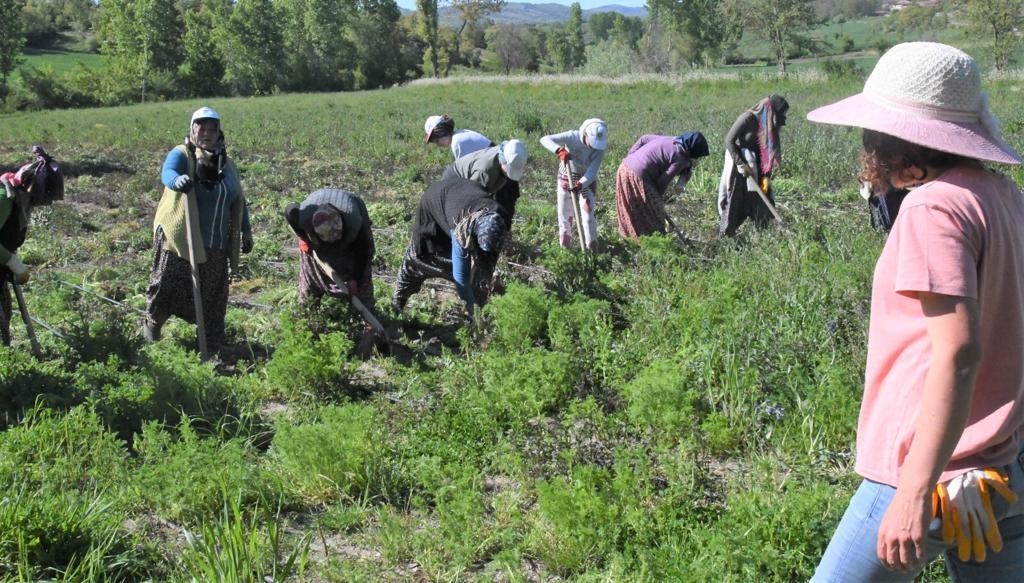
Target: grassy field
(61,61)
(650,413)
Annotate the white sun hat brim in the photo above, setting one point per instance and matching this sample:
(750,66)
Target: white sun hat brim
(928,94)
(965,138)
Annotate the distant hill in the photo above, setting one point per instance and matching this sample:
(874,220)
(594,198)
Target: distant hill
(524,13)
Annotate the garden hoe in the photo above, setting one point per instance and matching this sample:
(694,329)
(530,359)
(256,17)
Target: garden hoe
(574,177)
(36,350)
(197,299)
(360,307)
(754,185)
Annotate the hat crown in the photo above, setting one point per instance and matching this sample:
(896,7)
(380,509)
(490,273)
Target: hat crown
(204,113)
(431,123)
(513,156)
(929,75)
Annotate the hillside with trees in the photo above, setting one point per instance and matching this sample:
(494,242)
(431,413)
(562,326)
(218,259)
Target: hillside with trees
(168,49)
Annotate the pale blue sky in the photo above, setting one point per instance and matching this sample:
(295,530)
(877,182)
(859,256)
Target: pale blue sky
(585,4)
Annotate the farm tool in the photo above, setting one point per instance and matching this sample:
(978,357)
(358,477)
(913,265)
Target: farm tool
(569,169)
(197,299)
(23,308)
(360,307)
(753,183)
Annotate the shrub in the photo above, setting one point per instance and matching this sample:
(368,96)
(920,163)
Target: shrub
(513,388)
(188,477)
(26,381)
(576,524)
(519,317)
(609,59)
(234,547)
(841,70)
(336,456)
(62,451)
(662,399)
(55,534)
(309,367)
(101,331)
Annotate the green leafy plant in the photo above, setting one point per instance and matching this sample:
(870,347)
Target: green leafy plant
(237,546)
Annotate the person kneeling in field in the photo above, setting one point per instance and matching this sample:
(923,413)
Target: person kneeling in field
(752,152)
(497,170)
(584,147)
(200,181)
(441,132)
(644,176)
(335,248)
(36,184)
(457,236)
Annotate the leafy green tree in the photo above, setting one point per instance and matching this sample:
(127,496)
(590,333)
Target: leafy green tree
(998,20)
(470,13)
(779,22)
(319,52)
(616,27)
(387,53)
(426,11)
(140,40)
(252,48)
(202,67)
(514,47)
(691,30)
(12,40)
(565,46)
(576,49)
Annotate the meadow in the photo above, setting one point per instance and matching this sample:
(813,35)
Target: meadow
(654,412)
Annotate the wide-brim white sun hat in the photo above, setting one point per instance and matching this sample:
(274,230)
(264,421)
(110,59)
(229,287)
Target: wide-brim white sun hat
(927,94)
(512,156)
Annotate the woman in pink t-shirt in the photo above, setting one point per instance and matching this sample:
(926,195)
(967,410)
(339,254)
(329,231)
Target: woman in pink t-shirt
(941,421)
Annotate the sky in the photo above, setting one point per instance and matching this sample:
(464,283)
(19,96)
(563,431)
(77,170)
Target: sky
(585,4)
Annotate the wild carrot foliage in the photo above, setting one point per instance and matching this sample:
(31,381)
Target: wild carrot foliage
(654,412)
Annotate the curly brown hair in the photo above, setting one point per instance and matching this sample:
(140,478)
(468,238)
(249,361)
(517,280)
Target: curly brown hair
(885,156)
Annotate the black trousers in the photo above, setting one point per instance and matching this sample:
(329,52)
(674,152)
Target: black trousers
(417,269)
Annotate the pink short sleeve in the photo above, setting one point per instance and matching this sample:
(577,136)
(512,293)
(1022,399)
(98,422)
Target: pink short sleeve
(935,253)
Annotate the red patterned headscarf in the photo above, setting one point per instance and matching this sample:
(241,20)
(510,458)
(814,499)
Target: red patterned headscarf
(769,146)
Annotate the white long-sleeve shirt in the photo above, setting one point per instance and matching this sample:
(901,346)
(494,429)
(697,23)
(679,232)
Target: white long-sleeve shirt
(467,141)
(582,154)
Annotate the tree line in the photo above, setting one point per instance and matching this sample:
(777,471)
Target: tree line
(162,49)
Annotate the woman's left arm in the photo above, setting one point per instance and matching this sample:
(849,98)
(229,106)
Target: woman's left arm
(953,330)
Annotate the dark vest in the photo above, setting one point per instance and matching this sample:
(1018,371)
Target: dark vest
(12,233)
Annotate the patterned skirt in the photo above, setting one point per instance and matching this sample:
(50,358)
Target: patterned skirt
(170,289)
(640,207)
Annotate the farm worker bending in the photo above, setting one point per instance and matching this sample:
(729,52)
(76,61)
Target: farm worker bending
(498,170)
(35,184)
(458,233)
(200,166)
(584,148)
(441,132)
(942,417)
(752,150)
(333,225)
(644,176)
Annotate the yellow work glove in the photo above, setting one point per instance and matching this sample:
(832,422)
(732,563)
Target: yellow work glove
(965,507)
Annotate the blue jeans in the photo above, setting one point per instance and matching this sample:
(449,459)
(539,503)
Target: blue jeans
(851,556)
